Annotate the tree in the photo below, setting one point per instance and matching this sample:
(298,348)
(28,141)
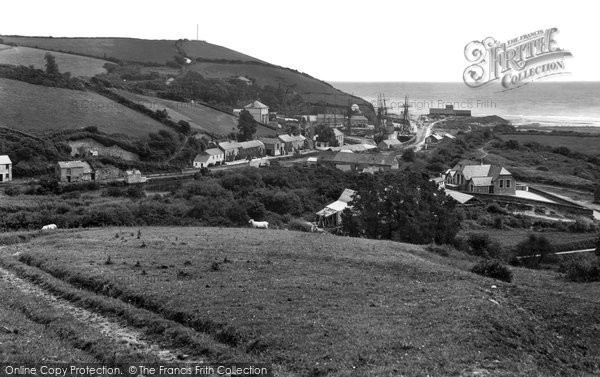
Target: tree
(402,206)
(597,194)
(325,134)
(409,155)
(51,66)
(246,126)
(534,248)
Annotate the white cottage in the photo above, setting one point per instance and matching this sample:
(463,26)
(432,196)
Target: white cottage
(5,169)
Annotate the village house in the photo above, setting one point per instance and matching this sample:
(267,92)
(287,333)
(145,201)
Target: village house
(251,149)
(479,178)
(273,146)
(74,171)
(230,149)
(361,162)
(331,216)
(134,176)
(210,157)
(292,143)
(245,80)
(436,138)
(259,111)
(5,169)
(392,143)
(339,136)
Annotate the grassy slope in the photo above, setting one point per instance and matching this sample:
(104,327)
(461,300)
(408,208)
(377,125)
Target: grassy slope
(57,108)
(583,144)
(341,306)
(77,65)
(131,49)
(200,117)
(312,90)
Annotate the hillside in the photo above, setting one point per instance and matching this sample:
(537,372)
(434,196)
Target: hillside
(201,118)
(35,108)
(320,305)
(78,66)
(312,90)
(129,49)
(213,62)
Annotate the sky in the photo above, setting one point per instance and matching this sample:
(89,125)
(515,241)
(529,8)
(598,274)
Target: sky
(333,40)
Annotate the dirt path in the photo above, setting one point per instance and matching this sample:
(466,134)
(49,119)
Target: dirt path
(117,332)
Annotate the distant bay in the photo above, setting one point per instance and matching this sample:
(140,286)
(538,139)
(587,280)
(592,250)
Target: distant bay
(568,104)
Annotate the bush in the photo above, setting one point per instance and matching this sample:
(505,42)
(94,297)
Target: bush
(535,248)
(495,208)
(581,270)
(12,191)
(493,269)
(480,244)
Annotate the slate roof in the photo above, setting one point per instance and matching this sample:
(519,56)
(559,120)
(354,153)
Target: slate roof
(75,165)
(252,144)
(256,105)
(482,181)
(369,159)
(228,145)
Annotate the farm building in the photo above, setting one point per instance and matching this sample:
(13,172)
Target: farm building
(462,198)
(273,146)
(392,143)
(259,111)
(134,176)
(5,169)
(359,162)
(331,216)
(354,148)
(74,171)
(230,149)
(292,143)
(251,149)
(210,157)
(479,178)
(245,80)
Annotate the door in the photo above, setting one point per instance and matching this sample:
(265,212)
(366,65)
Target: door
(491,189)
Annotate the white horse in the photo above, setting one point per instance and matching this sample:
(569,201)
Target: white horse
(259,224)
(49,227)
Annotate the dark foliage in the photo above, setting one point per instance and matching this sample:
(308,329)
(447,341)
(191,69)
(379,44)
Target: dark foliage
(493,269)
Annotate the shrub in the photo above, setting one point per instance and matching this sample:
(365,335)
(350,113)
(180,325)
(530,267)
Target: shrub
(581,270)
(12,191)
(493,269)
(495,208)
(535,248)
(480,244)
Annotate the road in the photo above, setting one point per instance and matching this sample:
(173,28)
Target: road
(422,134)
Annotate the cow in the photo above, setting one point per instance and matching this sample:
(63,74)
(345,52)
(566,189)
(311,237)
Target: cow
(259,224)
(49,227)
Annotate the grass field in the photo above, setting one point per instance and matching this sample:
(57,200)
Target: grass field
(130,49)
(78,65)
(34,108)
(582,144)
(319,305)
(200,117)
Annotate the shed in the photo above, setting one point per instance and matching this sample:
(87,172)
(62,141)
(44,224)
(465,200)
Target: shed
(331,215)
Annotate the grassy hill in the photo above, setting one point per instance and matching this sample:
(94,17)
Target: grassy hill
(215,62)
(34,108)
(319,305)
(202,118)
(79,66)
(130,49)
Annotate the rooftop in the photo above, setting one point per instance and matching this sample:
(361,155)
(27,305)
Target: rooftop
(4,159)
(75,165)
(256,105)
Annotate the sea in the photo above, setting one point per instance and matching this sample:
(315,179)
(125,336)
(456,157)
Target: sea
(556,104)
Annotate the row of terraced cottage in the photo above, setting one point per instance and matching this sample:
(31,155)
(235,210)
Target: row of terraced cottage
(228,151)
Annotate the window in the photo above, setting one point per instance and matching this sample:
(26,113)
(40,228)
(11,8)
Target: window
(68,171)
(7,166)
(501,183)
(508,183)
